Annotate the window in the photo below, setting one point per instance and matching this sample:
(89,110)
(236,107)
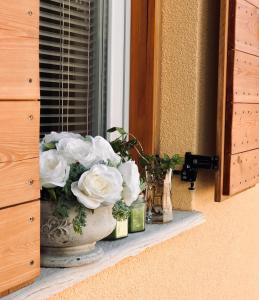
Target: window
(73,65)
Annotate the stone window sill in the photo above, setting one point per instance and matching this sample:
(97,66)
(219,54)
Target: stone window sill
(52,281)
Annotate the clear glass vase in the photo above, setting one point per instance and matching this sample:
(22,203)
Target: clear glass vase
(158,198)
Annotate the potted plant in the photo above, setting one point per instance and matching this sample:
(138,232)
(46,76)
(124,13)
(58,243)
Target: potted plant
(156,181)
(82,178)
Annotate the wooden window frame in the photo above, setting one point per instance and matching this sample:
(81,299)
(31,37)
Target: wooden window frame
(221,105)
(144,118)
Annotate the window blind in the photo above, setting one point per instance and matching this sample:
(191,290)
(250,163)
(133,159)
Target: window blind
(72,65)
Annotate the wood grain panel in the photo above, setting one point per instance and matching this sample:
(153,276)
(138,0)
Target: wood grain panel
(246,36)
(145,74)
(19,182)
(19,130)
(221,101)
(245,128)
(19,247)
(243,171)
(19,50)
(238,98)
(254,2)
(243,85)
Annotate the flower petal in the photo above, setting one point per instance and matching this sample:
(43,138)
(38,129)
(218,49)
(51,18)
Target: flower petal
(91,203)
(54,170)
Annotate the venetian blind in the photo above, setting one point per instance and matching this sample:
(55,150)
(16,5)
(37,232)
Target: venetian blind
(71,47)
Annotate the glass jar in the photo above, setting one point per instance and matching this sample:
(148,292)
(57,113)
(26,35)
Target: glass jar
(137,215)
(120,231)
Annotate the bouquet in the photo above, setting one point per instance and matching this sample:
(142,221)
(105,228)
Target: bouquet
(85,173)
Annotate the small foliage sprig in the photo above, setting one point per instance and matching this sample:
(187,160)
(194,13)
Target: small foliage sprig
(124,143)
(157,166)
(120,211)
(80,219)
(154,164)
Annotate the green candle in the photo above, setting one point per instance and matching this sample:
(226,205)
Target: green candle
(137,215)
(120,231)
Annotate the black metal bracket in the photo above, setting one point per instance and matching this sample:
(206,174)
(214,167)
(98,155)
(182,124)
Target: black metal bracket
(193,163)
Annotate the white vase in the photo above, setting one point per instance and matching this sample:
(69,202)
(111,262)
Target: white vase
(62,247)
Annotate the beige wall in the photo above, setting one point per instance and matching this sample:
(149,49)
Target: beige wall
(218,260)
(189,82)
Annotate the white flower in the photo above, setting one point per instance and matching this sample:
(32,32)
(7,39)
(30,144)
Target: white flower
(100,185)
(54,170)
(104,151)
(130,174)
(55,136)
(77,150)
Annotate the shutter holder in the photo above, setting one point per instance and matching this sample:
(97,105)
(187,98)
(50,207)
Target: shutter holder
(193,163)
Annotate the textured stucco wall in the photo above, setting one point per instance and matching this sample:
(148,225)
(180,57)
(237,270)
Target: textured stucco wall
(218,260)
(179,84)
(189,82)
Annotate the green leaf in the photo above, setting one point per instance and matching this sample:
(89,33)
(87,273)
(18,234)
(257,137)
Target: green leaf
(120,130)
(49,146)
(88,138)
(52,194)
(112,129)
(166,157)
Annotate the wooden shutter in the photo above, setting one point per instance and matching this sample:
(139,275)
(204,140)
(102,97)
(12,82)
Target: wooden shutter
(238,99)
(19,144)
(19,43)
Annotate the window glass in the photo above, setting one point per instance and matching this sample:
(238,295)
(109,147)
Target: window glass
(73,55)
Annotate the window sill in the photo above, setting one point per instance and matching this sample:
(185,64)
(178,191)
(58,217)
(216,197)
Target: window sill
(52,281)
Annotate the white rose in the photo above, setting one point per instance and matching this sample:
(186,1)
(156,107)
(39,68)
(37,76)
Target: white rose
(55,136)
(104,151)
(76,150)
(54,170)
(130,174)
(100,185)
